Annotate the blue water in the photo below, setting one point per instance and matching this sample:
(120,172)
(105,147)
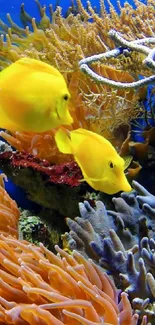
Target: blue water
(13,7)
(19,195)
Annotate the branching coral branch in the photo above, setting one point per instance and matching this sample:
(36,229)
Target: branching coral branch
(122,242)
(125,48)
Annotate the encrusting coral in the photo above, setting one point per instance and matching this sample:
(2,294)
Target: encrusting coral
(63,42)
(39,287)
(122,242)
(55,182)
(34,230)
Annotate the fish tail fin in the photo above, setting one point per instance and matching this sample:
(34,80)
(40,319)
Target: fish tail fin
(63,142)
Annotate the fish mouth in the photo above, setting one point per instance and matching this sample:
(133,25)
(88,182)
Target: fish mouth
(123,182)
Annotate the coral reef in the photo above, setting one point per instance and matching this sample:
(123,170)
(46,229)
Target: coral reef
(63,42)
(125,48)
(34,230)
(55,182)
(122,242)
(143,153)
(150,105)
(38,287)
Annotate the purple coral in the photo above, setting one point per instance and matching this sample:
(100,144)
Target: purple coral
(122,242)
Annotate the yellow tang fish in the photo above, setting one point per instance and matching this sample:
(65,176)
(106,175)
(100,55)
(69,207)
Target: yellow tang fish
(33,97)
(101,166)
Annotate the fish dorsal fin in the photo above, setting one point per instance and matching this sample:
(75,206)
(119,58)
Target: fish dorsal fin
(80,134)
(38,65)
(87,133)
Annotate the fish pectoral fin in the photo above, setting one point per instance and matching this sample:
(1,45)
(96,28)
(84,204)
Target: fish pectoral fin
(86,179)
(63,142)
(82,180)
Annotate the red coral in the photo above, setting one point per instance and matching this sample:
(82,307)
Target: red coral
(67,173)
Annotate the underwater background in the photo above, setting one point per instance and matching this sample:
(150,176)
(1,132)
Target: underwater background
(13,6)
(77,228)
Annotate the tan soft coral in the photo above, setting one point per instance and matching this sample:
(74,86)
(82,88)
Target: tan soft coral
(38,287)
(62,43)
(9,213)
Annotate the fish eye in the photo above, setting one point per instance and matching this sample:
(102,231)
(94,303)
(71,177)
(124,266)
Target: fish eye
(111,165)
(65,97)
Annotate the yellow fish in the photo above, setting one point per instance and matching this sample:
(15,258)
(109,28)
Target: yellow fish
(33,97)
(101,166)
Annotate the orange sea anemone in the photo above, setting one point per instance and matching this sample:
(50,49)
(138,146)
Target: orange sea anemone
(39,288)
(9,213)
